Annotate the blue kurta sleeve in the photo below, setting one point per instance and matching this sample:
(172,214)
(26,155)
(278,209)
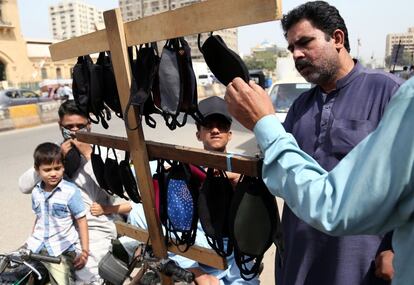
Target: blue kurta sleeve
(336,202)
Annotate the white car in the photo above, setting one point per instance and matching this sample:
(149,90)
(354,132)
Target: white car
(283,93)
(205,79)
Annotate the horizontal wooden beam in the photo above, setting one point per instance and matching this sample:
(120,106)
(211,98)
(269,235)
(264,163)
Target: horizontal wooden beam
(200,254)
(206,16)
(82,45)
(240,164)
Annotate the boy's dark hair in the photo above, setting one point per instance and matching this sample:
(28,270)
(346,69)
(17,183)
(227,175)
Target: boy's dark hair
(322,15)
(47,153)
(69,108)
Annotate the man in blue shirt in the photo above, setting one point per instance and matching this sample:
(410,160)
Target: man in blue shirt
(337,202)
(346,104)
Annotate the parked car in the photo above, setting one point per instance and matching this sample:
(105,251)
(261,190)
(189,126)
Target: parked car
(283,93)
(206,79)
(13,97)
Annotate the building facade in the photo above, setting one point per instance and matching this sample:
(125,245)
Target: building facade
(14,61)
(25,62)
(405,39)
(136,9)
(72,18)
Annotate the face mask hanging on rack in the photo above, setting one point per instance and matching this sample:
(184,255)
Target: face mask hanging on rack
(177,189)
(87,90)
(113,175)
(224,63)
(144,71)
(177,87)
(253,205)
(109,88)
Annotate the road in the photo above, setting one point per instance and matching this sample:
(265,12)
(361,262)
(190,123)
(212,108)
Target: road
(16,150)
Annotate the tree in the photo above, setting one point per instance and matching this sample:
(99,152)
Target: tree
(264,59)
(405,59)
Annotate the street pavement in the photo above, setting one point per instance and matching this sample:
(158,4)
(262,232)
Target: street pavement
(16,150)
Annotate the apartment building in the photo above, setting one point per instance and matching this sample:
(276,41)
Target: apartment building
(72,18)
(136,9)
(405,39)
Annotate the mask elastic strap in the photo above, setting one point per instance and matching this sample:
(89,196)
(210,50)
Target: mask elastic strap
(228,162)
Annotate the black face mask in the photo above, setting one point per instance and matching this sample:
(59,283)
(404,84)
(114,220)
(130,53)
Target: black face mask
(213,209)
(110,90)
(253,205)
(222,61)
(128,179)
(98,167)
(113,176)
(72,162)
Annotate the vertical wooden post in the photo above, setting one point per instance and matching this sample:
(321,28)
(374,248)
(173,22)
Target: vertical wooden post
(120,62)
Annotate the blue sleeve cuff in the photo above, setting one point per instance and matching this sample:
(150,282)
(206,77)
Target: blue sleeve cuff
(76,205)
(267,130)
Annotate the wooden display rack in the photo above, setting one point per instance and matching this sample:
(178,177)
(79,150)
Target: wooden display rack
(206,16)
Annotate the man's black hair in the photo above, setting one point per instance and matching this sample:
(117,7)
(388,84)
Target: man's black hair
(323,17)
(69,108)
(217,117)
(47,153)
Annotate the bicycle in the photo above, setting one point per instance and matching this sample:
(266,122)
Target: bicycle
(116,272)
(27,258)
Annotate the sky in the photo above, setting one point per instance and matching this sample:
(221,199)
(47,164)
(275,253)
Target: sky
(367,20)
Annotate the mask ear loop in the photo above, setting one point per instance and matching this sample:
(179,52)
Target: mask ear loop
(228,162)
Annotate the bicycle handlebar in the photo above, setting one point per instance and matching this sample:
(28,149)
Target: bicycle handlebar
(170,268)
(45,258)
(4,261)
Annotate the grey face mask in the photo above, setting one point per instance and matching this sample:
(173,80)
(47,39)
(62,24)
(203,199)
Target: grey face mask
(67,134)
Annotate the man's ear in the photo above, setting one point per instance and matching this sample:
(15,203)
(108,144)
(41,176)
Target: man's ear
(230,134)
(198,136)
(339,39)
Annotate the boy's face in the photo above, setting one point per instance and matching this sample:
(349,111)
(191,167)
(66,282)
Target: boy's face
(51,174)
(215,134)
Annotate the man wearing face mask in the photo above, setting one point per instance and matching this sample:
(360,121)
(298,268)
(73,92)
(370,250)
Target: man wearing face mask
(78,168)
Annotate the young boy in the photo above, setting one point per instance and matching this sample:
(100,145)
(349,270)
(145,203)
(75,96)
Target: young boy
(101,228)
(58,205)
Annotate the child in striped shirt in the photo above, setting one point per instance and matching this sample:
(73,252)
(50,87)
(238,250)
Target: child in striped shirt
(58,206)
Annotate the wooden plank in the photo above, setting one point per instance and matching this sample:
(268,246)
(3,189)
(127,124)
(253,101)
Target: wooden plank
(138,150)
(206,16)
(201,254)
(82,45)
(240,164)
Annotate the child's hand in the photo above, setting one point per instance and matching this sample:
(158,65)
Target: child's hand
(96,209)
(81,260)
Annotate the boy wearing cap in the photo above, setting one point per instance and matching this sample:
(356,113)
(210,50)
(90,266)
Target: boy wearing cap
(215,134)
